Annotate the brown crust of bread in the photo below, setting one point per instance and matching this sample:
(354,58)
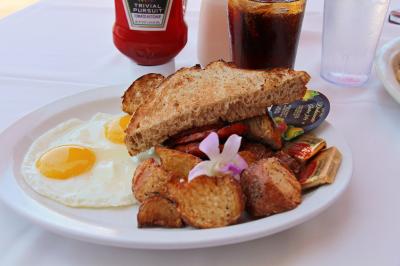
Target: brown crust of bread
(195,97)
(140,91)
(270,188)
(208,202)
(158,211)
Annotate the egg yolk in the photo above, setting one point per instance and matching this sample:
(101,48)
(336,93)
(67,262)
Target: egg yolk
(66,161)
(115,129)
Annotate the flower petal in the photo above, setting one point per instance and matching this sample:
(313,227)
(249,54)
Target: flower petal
(230,168)
(202,168)
(210,146)
(231,148)
(235,167)
(240,162)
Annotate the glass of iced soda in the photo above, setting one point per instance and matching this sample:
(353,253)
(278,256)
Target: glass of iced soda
(265,33)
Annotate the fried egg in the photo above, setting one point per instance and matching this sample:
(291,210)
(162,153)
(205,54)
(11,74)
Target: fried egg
(83,163)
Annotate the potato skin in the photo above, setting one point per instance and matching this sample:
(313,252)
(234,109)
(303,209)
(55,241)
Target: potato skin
(150,179)
(208,202)
(176,162)
(270,188)
(157,211)
(262,129)
(289,162)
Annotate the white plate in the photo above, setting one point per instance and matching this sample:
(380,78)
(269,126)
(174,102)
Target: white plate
(387,61)
(117,227)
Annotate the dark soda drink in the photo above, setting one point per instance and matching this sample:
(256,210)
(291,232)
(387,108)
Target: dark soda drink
(265,33)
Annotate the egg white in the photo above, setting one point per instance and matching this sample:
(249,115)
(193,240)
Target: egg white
(107,184)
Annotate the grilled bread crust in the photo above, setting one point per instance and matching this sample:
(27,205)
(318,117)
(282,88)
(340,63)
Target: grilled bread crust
(141,91)
(195,97)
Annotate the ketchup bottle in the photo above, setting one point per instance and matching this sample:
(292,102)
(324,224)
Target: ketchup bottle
(151,32)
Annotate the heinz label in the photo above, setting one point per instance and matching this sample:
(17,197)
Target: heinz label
(148,15)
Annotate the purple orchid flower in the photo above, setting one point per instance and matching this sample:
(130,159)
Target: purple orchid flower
(227,162)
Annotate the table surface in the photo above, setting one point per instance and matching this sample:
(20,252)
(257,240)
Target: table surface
(58,47)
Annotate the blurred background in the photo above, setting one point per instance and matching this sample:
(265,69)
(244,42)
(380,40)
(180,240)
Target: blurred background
(8,7)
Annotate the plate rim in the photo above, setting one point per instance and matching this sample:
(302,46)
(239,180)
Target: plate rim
(110,91)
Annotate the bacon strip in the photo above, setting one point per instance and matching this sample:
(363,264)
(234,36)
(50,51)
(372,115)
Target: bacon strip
(198,134)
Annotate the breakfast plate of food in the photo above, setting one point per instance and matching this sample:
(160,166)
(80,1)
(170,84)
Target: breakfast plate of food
(387,66)
(204,157)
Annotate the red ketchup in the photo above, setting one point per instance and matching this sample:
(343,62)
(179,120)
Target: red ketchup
(151,32)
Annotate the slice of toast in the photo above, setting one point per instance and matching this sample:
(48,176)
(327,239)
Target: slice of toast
(141,91)
(195,97)
(208,202)
(158,211)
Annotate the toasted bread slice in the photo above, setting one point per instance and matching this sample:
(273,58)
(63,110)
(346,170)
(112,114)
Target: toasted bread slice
(176,162)
(149,180)
(158,211)
(269,188)
(142,90)
(195,97)
(208,202)
(262,128)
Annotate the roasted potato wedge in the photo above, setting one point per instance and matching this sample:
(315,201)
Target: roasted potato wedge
(150,179)
(208,202)
(176,162)
(291,163)
(262,128)
(157,211)
(269,188)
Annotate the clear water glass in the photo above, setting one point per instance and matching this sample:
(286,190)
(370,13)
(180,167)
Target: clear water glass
(350,35)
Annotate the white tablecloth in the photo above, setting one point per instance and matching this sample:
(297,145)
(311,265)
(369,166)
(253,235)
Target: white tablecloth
(56,48)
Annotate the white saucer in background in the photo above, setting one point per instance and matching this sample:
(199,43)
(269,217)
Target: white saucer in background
(387,62)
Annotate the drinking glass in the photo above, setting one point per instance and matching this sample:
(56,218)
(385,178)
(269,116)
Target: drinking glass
(350,35)
(265,33)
